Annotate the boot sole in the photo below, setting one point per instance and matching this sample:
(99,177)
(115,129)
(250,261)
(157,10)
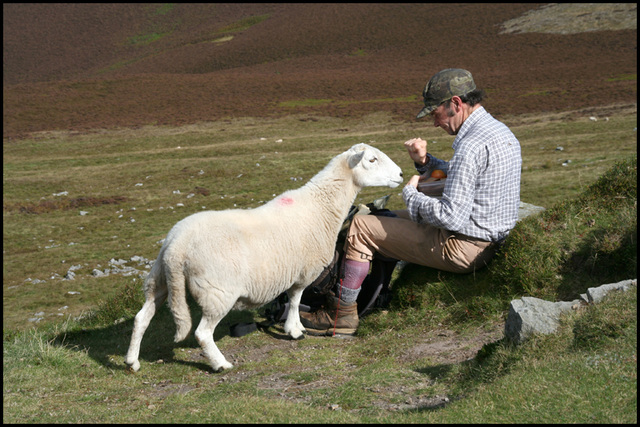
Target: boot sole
(329,332)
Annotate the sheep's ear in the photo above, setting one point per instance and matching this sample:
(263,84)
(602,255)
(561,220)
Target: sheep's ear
(355,159)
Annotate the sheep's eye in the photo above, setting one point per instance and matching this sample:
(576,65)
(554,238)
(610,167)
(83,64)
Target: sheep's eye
(373,160)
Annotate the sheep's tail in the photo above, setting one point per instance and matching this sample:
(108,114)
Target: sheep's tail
(178,302)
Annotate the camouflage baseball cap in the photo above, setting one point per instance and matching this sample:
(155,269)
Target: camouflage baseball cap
(445,85)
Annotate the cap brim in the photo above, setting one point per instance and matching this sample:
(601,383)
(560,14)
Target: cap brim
(424,112)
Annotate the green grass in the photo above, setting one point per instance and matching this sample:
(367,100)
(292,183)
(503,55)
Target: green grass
(623,77)
(541,92)
(164,9)
(358,52)
(305,103)
(145,39)
(560,378)
(243,24)
(70,368)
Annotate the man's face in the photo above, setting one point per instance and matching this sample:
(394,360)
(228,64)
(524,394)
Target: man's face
(448,116)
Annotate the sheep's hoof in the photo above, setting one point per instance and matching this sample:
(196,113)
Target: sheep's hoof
(133,367)
(297,338)
(223,367)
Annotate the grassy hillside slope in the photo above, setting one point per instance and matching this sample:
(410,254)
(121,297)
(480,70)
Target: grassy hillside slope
(436,355)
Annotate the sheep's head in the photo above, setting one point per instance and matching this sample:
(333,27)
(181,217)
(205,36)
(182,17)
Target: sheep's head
(372,168)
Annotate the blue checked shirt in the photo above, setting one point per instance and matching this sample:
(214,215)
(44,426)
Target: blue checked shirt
(481,195)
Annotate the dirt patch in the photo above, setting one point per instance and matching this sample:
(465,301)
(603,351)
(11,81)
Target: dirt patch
(448,347)
(291,390)
(45,206)
(166,388)
(437,347)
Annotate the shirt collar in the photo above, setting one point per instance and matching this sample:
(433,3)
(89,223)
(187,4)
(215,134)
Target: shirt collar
(473,118)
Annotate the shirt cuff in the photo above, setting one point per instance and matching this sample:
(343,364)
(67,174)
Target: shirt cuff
(408,189)
(422,169)
(408,192)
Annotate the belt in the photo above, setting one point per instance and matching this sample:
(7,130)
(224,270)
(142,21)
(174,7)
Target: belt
(461,236)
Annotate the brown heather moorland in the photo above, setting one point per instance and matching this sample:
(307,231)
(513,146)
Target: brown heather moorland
(85,66)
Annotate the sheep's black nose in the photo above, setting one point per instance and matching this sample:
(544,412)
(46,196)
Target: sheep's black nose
(401,174)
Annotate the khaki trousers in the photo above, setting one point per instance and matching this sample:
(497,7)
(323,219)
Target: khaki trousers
(403,239)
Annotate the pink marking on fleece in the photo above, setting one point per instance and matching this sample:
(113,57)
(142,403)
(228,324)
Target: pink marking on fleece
(285,201)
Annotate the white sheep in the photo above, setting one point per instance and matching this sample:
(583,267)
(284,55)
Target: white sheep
(244,258)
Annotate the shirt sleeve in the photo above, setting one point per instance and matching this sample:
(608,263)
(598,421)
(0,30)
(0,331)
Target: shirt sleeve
(413,199)
(433,164)
(453,209)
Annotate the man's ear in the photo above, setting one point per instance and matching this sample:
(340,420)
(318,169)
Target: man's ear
(457,102)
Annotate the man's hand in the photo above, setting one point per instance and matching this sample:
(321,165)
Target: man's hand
(417,149)
(413,181)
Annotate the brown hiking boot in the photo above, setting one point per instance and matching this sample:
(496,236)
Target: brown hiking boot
(323,321)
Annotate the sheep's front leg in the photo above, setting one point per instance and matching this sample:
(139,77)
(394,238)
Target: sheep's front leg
(292,325)
(204,335)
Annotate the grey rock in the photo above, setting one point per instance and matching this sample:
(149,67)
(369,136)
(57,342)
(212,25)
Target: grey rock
(38,317)
(527,209)
(98,273)
(529,316)
(71,275)
(597,294)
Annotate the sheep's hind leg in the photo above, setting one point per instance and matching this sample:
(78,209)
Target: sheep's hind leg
(204,335)
(292,325)
(143,318)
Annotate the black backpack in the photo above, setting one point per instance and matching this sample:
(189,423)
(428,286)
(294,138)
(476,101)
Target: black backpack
(375,292)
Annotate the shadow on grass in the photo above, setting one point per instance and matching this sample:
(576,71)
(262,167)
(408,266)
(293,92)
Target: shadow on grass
(103,342)
(598,260)
(490,364)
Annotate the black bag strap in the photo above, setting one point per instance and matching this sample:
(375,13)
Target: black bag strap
(325,281)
